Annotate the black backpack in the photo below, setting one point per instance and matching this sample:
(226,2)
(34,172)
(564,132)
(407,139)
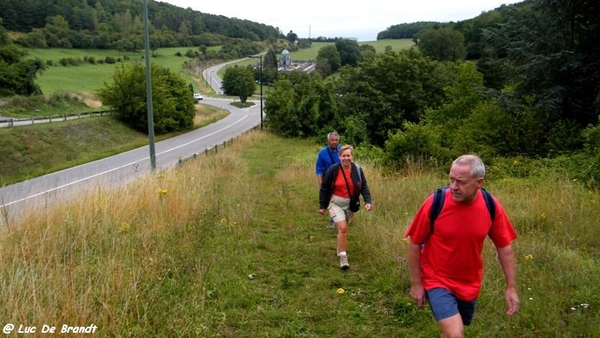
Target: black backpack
(438,202)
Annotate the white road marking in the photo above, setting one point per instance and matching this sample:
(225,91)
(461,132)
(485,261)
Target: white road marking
(120,167)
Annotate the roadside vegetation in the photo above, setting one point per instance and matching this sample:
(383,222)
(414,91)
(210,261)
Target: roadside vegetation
(232,244)
(35,150)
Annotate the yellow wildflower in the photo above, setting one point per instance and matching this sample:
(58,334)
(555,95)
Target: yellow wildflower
(124,227)
(341,291)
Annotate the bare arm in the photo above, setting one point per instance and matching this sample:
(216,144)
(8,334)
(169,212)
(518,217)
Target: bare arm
(417,291)
(509,266)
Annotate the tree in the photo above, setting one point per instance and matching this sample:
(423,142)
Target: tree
(17,74)
(239,81)
(328,60)
(367,52)
(57,32)
(172,101)
(291,37)
(301,105)
(4,39)
(389,90)
(442,44)
(349,51)
(549,51)
(269,70)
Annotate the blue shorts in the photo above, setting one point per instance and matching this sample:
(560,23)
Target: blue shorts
(444,304)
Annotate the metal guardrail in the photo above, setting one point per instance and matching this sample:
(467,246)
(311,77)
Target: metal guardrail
(15,122)
(215,148)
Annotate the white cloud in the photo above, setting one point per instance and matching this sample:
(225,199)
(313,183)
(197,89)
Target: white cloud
(350,18)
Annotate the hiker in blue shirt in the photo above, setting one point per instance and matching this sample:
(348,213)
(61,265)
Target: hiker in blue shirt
(328,156)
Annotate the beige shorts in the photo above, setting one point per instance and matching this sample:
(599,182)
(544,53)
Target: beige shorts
(339,209)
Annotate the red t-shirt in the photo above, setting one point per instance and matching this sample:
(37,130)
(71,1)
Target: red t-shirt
(339,186)
(451,258)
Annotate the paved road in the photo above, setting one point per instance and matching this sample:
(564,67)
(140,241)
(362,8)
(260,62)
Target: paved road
(17,199)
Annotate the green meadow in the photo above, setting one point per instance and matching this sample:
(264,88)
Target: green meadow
(231,244)
(87,78)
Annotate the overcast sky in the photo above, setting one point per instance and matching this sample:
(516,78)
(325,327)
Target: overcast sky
(335,18)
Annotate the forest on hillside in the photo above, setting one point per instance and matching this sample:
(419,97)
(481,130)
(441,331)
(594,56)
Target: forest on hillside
(532,90)
(116,24)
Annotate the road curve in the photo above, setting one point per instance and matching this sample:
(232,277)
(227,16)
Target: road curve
(17,199)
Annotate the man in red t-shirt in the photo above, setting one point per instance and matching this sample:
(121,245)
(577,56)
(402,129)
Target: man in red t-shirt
(446,266)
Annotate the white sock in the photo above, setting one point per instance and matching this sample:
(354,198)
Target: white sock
(343,253)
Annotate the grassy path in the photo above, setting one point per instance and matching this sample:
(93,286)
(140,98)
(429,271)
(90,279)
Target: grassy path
(231,245)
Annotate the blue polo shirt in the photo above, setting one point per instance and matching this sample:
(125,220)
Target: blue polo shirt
(324,159)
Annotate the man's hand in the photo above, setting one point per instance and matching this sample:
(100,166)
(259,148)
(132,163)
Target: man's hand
(512,301)
(417,292)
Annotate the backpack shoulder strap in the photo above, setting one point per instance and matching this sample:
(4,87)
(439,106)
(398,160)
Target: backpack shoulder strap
(489,202)
(438,202)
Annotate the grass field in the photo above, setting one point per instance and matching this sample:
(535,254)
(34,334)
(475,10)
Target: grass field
(70,79)
(232,245)
(58,78)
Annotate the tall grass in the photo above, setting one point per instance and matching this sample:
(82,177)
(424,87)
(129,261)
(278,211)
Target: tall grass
(231,244)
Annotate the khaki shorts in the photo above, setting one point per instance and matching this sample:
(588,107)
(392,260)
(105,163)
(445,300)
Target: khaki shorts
(339,209)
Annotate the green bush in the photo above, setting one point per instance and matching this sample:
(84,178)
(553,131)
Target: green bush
(485,132)
(415,143)
(564,137)
(173,104)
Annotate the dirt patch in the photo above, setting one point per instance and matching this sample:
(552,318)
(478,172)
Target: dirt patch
(90,100)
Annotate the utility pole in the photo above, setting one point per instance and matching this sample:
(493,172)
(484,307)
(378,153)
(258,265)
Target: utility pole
(261,87)
(149,90)
(261,92)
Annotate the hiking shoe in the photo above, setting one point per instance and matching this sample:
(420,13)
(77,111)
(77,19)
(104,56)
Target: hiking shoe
(331,224)
(344,262)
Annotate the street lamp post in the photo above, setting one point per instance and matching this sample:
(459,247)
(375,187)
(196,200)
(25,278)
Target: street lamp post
(261,88)
(261,92)
(149,90)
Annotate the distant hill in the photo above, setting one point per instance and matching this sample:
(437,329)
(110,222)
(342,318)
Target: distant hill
(115,24)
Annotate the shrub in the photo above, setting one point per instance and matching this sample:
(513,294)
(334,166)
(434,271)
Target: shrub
(173,104)
(485,132)
(415,143)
